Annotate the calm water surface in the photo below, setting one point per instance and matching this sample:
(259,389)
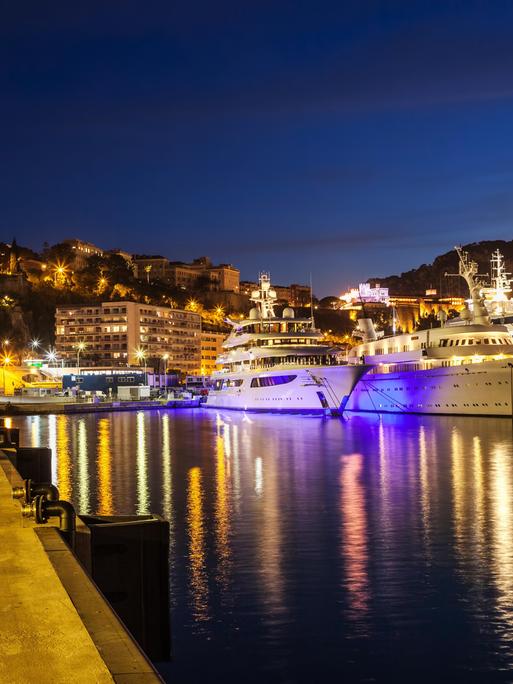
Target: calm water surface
(309,549)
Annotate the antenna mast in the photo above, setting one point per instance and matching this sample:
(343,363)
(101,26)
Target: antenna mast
(468,270)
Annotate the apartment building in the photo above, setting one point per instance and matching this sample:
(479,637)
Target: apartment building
(113,332)
(82,251)
(221,278)
(151,268)
(211,347)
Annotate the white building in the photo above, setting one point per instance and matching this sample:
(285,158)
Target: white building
(113,332)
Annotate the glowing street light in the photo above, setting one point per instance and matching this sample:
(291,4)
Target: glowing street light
(60,270)
(140,354)
(192,305)
(80,348)
(35,343)
(51,356)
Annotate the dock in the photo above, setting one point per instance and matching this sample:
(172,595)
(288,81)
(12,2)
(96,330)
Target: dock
(53,406)
(55,624)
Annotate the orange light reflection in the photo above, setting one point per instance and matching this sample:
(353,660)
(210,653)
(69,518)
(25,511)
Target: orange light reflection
(104,468)
(354,534)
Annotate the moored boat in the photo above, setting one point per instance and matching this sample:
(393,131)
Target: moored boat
(462,368)
(280,364)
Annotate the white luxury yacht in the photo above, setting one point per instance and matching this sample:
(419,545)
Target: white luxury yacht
(273,363)
(462,368)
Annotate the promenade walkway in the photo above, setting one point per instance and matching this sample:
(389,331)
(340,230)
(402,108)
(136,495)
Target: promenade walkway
(55,626)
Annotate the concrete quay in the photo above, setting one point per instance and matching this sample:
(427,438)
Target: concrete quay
(43,406)
(55,626)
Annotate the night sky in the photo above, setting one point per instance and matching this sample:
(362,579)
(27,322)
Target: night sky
(343,139)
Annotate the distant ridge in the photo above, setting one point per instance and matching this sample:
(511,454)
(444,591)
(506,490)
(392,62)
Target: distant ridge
(432,276)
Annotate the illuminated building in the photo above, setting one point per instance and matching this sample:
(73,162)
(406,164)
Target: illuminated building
(211,347)
(200,273)
(112,332)
(82,251)
(365,293)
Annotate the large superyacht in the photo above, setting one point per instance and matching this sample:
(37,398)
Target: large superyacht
(280,364)
(463,367)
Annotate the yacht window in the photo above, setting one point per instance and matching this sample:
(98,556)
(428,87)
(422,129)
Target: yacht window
(486,340)
(232,383)
(457,342)
(273,380)
(494,341)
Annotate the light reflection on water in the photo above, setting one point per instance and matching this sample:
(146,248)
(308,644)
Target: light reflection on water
(305,549)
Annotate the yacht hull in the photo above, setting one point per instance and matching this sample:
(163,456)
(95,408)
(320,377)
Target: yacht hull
(316,390)
(480,389)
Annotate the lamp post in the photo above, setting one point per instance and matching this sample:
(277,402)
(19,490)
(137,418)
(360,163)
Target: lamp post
(165,357)
(511,387)
(6,362)
(80,348)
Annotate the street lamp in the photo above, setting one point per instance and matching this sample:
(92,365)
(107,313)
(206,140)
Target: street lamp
(141,354)
(165,357)
(80,348)
(51,356)
(35,343)
(6,362)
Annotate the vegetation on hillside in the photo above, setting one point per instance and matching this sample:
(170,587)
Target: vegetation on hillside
(429,276)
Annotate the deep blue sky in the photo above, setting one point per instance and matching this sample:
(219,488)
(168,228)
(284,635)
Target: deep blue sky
(342,139)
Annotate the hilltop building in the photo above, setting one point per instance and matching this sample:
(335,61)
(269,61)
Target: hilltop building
(112,332)
(405,310)
(82,251)
(221,278)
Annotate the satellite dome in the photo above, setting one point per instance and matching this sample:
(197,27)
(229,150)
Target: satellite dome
(288,312)
(253,313)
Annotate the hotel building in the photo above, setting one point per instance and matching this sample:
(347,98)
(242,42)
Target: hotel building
(112,332)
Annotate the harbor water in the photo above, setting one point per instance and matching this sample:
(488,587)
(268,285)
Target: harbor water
(306,549)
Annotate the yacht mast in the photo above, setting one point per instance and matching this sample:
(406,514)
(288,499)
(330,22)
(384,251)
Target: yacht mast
(265,297)
(468,270)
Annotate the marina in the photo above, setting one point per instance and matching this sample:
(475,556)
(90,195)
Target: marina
(256,407)
(298,541)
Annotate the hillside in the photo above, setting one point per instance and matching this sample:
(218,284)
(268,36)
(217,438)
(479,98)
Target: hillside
(427,276)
